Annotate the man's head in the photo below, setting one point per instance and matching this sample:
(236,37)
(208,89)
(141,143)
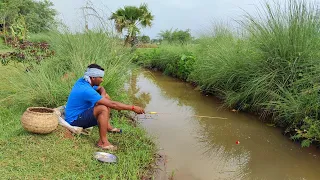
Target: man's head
(95,66)
(96,73)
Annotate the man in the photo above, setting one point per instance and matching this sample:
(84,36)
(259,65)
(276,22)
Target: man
(89,105)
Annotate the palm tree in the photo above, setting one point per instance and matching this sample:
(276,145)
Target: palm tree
(130,18)
(166,35)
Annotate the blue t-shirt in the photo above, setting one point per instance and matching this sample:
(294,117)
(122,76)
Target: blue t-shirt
(82,97)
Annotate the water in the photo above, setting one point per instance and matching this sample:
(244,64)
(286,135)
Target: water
(204,148)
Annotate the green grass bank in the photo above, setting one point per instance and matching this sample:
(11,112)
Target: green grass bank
(59,155)
(270,68)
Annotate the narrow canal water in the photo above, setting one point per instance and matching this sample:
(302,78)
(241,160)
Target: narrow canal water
(206,148)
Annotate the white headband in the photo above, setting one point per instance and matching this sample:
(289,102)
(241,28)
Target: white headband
(92,72)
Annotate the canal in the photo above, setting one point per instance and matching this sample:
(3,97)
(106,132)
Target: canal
(224,144)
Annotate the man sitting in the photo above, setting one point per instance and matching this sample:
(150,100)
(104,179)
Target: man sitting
(89,105)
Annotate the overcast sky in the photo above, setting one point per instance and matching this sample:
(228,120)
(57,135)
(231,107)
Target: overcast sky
(196,15)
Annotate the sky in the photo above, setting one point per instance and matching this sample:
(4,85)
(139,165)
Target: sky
(196,15)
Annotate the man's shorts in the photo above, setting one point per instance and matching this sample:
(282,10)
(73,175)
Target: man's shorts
(85,119)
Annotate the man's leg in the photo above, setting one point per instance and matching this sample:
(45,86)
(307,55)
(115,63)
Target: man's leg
(102,114)
(109,125)
(110,128)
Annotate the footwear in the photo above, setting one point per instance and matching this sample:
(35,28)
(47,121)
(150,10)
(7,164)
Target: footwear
(87,131)
(116,130)
(108,147)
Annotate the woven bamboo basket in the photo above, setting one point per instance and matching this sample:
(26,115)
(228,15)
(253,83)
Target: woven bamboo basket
(39,120)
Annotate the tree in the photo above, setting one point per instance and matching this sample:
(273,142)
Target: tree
(176,36)
(181,36)
(41,16)
(130,18)
(156,41)
(166,35)
(144,39)
(38,15)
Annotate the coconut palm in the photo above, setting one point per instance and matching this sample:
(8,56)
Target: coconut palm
(130,18)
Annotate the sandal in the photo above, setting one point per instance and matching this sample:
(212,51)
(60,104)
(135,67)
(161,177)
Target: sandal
(86,131)
(116,130)
(109,147)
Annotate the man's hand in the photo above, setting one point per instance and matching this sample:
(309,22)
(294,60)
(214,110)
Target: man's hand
(119,106)
(103,92)
(107,96)
(138,110)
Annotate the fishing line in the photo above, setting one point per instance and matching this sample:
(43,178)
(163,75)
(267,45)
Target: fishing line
(199,116)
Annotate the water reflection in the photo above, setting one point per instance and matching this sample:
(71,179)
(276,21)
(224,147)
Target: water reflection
(232,161)
(135,95)
(202,148)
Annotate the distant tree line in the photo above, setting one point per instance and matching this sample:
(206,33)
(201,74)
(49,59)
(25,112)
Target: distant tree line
(132,18)
(176,36)
(144,39)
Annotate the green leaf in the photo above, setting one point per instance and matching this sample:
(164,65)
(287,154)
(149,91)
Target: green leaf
(306,143)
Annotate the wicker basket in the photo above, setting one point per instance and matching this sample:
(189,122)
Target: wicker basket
(40,120)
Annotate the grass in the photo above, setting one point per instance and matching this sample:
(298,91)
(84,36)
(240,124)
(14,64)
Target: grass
(3,51)
(55,156)
(40,37)
(29,156)
(271,67)
(4,48)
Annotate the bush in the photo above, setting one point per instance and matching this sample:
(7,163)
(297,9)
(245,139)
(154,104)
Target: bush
(176,61)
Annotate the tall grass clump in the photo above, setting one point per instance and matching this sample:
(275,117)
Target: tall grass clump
(288,38)
(49,83)
(273,68)
(225,66)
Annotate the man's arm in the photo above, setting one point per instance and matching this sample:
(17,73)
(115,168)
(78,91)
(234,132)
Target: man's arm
(120,106)
(102,92)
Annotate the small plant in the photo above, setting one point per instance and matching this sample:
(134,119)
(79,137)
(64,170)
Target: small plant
(185,66)
(27,52)
(171,176)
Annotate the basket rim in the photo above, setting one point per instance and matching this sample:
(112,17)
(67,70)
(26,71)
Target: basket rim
(29,109)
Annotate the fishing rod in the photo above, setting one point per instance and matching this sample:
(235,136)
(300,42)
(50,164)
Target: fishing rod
(210,117)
